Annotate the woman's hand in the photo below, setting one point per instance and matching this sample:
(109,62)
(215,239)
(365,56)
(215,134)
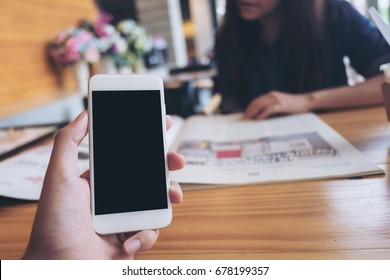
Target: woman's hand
(276,102)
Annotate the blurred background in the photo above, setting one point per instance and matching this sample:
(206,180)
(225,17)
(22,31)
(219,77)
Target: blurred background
(48,49)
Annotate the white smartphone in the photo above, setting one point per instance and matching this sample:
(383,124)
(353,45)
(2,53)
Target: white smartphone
(128,158)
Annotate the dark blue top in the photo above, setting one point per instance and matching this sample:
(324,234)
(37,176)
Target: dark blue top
(347,33)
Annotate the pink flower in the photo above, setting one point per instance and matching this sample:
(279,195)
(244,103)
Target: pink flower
(103,18)
(72,45)
(70,53)
(101,30)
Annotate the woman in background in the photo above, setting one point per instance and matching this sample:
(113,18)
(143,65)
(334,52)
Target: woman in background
(287,56)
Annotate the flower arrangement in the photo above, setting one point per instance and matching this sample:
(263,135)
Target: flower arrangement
(110,41)
(126,43)
(72,45)
(139,42)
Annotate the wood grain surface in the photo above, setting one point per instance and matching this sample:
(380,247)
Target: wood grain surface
(26,28)
(319,219)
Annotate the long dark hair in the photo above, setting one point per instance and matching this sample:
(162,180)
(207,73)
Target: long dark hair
(302,26)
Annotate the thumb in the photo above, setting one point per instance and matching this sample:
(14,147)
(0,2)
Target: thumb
(63,160)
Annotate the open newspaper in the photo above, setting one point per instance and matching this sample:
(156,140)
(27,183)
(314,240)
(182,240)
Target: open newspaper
(226,150)
(221,151)
(21,176)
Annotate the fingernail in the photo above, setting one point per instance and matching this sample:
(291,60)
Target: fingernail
(175,186)
(133,246)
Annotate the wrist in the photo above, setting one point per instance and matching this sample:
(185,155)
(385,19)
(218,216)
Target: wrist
(313,100)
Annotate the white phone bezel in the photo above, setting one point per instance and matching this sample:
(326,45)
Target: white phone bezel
(129,221)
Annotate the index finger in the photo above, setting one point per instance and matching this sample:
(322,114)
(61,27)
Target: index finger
(256,106)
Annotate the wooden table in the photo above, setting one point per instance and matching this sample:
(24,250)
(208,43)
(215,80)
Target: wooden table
(322,219)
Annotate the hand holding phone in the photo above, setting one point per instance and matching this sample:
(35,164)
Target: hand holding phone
(128,159)
(63,227)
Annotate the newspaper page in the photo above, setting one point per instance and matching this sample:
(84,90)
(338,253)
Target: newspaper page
(22,176)
(228,150)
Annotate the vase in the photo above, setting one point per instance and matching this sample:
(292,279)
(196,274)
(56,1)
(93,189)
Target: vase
(81,71)
(107,65)
(139,65)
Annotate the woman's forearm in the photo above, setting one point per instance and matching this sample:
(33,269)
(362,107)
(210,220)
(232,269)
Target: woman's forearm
(363,94)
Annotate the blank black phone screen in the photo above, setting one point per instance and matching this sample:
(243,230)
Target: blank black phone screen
(128,151)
